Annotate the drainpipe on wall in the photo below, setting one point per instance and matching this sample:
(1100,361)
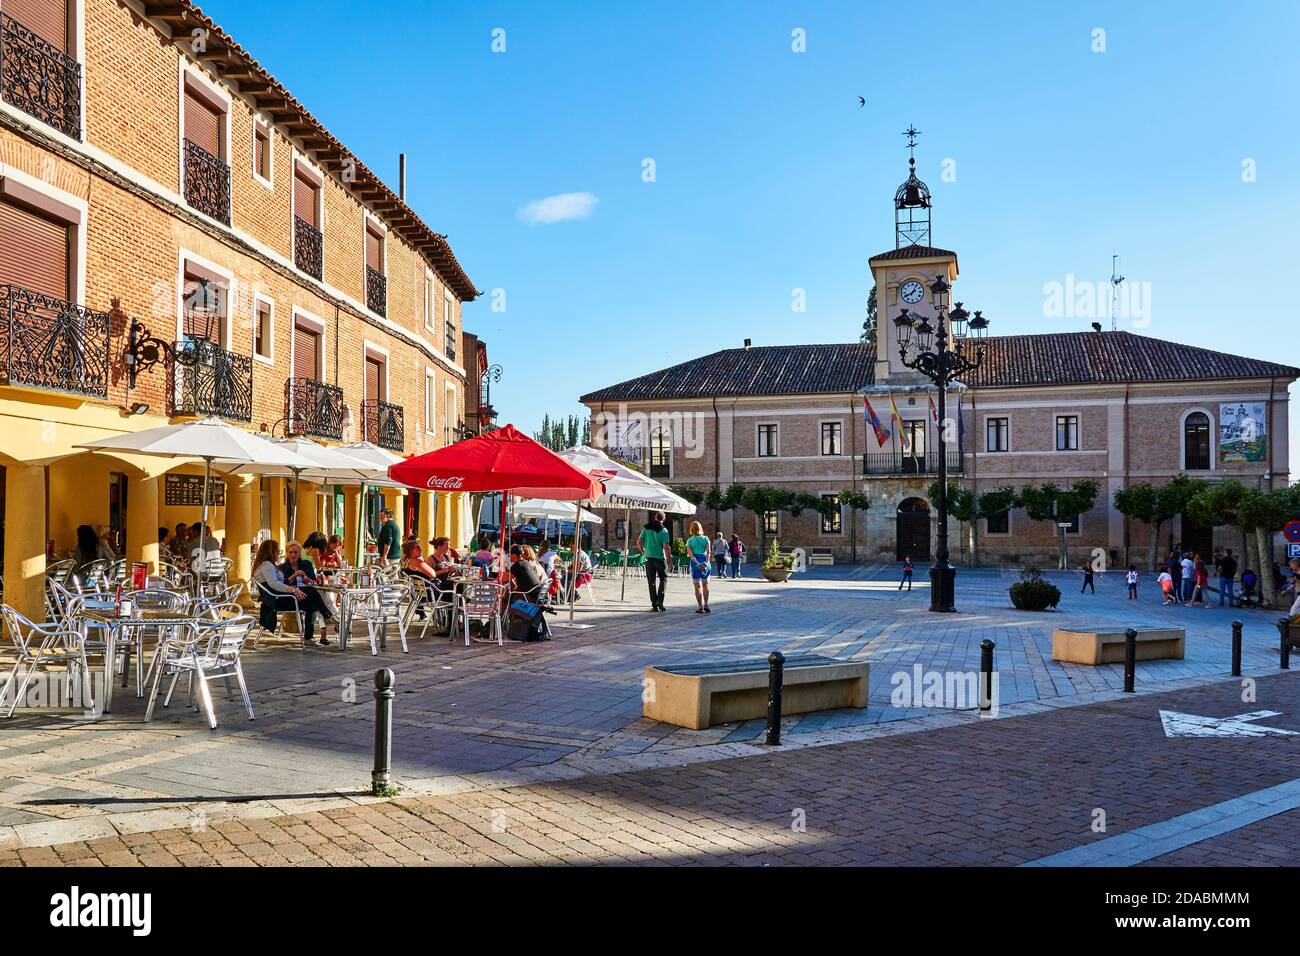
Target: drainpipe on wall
(717,458)
(853,475)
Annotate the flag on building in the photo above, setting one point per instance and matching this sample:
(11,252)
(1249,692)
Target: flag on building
(898,424)
(961,426)
(934,412)
(869,413)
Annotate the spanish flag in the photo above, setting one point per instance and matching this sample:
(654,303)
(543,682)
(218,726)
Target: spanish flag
(869,413)
(898,420)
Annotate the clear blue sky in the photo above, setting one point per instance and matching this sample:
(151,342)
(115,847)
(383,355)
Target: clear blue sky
(769,177)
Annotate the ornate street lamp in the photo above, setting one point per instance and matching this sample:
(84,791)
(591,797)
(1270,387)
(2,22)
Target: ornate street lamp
(943,352)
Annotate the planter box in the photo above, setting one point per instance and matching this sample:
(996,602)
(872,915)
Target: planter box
(776,575)
(1107,647)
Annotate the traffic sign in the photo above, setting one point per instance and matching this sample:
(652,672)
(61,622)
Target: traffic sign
(1292,532)
(1292,551)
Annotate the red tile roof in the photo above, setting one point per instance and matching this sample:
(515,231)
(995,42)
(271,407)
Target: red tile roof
(234,63)
(1057,358)
(914,252)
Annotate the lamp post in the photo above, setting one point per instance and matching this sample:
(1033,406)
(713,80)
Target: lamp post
(942,352)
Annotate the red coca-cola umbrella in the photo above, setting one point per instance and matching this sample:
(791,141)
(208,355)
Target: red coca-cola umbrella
(505,460)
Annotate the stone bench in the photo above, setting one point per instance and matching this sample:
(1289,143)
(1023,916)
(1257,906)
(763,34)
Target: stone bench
(1107,647)
(702,695)
(821,556)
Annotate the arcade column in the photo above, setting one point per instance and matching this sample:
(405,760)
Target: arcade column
(142,520)
(25,539)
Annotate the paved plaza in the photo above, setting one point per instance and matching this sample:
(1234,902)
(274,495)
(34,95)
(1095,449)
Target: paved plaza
(484,728)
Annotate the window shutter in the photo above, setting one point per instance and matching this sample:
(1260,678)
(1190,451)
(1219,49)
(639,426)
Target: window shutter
(202,125)
(374,379)
(304,201)
(306,353)
(33,251)
(48,19)
(374,253)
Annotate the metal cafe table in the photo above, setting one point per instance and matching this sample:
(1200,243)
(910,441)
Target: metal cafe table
(113,624)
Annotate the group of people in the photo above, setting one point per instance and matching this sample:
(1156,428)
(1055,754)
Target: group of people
(704,555)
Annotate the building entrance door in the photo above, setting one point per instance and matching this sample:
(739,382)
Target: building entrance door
(1198,538)
(913,530)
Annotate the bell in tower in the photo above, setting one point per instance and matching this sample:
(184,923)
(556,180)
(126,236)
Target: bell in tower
(912,203)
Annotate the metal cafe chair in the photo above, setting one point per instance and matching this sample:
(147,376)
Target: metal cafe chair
(261,595)
(438,605)
(202,651)
(42,646)
(383,607)
(483,602)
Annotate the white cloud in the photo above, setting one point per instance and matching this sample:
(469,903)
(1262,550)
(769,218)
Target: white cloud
(565,206)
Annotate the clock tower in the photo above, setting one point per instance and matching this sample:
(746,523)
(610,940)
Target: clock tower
(903,275)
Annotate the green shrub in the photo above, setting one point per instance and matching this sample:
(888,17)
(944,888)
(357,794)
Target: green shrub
(1032,593)
(774,558)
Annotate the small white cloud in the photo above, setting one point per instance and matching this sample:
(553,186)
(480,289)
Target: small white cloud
(565,206)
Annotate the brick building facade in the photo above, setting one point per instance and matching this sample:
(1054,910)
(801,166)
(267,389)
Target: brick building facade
(156,182)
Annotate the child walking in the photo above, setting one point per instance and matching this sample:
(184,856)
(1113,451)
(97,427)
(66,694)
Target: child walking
(907,573)
(1132,580)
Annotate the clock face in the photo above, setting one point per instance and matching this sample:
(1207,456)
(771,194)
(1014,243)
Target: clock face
(912,291)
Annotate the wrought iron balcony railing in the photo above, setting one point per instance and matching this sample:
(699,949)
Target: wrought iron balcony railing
(313,408)
(207,183)
(376,291)
(39,78)
(384,424)
(51,344)
(208,380)
(900,463)
(308,248)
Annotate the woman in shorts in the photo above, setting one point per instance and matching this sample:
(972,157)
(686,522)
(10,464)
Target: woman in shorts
(697,549)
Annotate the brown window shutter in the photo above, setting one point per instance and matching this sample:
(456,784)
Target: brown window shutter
(202,125)
(304,201)
(306,352)
(259,153)
(33,251)
(374,379)
(374,251)
(48,19)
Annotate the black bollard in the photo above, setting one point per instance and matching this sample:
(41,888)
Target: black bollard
(986,674)
(380,778)
(1284,628)
(775,679)
(1130,659)
(1236,648)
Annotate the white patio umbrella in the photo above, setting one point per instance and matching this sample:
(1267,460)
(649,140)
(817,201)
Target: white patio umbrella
(549,508)
(210,439)
(328,465)
(378,460)
(628,489)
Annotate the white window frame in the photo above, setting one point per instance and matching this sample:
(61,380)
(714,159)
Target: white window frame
(259,123)
(430,302)
(370,222)
(78,209)
(1182,438)
(821,424)
(1000,451)
(430,402)
(449,320)
(316,324)
(313,172)
(449,411)
(268,359)
(649,449)
(370,350)
(76,50)
(232,291)
(758,524)
(188,73)
(776,452)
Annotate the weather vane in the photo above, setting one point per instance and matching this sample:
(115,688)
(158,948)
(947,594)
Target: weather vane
(911,133)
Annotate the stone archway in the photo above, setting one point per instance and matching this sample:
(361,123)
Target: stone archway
(913,531)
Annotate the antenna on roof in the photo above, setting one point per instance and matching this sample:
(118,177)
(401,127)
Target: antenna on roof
(747,343)
(401,176)
(1115,280)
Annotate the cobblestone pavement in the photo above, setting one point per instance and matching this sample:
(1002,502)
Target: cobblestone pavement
(486,717)
(1004,791)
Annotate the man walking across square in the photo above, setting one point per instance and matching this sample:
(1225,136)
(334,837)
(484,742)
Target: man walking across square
(1188,566)
(1227,577)
(655,546)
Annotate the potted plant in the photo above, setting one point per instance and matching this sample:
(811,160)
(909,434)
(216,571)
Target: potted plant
(775,567)
(1032,593)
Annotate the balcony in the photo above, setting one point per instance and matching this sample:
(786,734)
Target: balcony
(383,424)
(900,465)
(313,408)
(376,291)
(53,345)
(207,183)
(208,380)
(39,78)
(308,248)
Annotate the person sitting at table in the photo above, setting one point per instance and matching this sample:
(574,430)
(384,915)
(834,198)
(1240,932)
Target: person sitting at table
(527,576)
(548,555)
(90,548)
(443,564)
(317,547)
(180,541)
(413,565)
(485,556)
(584,570)
(275,591)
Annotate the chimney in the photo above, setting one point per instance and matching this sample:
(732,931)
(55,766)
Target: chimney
(401,177)
(1096,326)
(747,344)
